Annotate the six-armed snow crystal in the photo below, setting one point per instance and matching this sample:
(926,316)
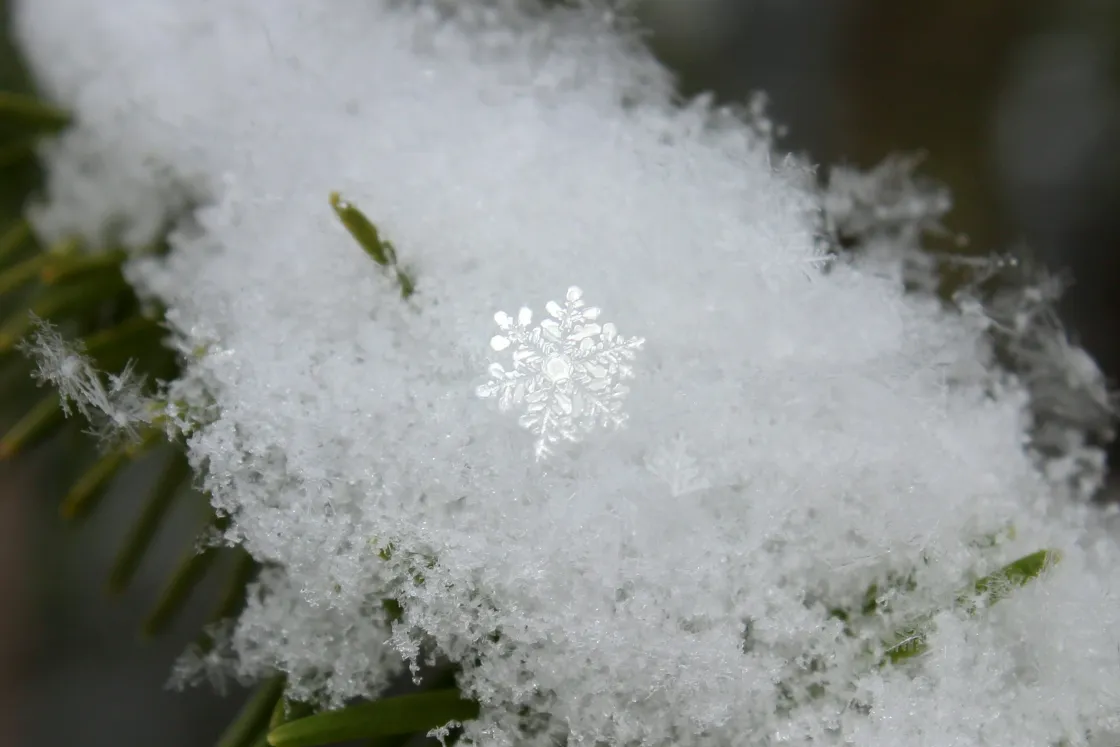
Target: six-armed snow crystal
(567,371)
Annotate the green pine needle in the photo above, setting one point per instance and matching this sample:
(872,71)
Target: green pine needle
(71,299)
(184,579)
(287,710)
(252,722)
(363,231)
(68,266)
(84,495)
(90,487)
(43,420)
(366,234)
(19,275)
(1001,584)
(907,644)
(233,597)
(112,345)
(31,111)
(393,609)
(18,151)
(404,714)
(171,481)
(988,590)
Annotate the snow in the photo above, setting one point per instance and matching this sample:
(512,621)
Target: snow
(839,431)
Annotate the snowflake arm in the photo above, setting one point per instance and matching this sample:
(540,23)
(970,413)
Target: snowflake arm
(566,372)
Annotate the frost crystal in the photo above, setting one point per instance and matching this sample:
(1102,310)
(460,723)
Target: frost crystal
(674,464)
(567,371)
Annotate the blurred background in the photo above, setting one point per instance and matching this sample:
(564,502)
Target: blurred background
(1015,104)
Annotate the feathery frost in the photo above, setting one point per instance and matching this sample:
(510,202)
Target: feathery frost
(815,458)
(114,404)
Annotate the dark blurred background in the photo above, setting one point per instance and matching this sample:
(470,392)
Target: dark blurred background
(1013,102)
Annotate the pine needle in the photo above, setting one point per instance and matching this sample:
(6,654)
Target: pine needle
(32,111)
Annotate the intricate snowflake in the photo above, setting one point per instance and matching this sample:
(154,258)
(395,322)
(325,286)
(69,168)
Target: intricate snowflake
(567,371)
(674,464)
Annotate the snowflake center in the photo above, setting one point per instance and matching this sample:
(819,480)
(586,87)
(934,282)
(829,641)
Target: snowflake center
(558,368)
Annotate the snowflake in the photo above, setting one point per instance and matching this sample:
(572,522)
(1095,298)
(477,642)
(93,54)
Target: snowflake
(567,371)
(674,464)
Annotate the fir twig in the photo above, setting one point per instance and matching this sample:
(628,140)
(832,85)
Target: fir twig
(12,240)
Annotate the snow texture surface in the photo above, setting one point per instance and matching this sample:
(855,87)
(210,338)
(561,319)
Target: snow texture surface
(798,430)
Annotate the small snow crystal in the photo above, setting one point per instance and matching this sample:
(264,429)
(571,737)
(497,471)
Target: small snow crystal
(567,371)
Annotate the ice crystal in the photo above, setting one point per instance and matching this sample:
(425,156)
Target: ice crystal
(114,404)
(675,465)
(888,199)
(567,371)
